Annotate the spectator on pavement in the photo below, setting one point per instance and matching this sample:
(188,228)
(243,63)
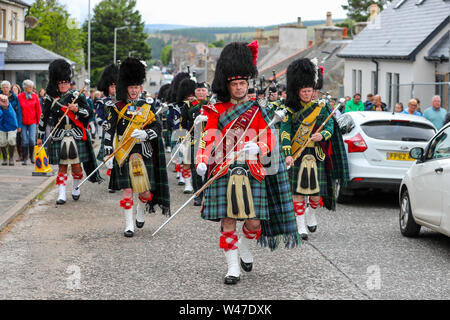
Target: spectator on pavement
(412,108)
(377,103)
(399,107)
(31,115)
(447,118)
(73,86)
(8,130)
(435,114)
(355,104)
(16,89)
(42,94)
(378,108)
(418,105)
(368,104)
(7,91)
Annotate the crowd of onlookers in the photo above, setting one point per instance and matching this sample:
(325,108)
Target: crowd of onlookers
(436,114)
(20,112)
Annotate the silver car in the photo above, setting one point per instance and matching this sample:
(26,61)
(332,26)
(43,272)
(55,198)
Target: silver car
(378,145)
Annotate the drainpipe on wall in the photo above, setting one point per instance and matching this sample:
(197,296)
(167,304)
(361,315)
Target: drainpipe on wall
(376,76)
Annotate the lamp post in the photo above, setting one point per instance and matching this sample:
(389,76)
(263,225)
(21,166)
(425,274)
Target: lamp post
(115,41)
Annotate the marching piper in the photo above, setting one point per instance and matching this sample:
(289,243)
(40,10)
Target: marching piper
(243,190)
(71,143)
(323,160)
(193,120)
(139,166)
(174,120)
(107,85)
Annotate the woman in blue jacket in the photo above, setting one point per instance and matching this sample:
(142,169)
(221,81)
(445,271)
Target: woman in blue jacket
(8,130)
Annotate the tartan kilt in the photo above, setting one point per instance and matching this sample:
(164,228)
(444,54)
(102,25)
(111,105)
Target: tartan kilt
(101,151)
(216,201)
(197,181)
(120,177)
(54,150)
(322,177)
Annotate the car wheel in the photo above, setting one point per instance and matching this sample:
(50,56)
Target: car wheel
(408,227)
(339,194)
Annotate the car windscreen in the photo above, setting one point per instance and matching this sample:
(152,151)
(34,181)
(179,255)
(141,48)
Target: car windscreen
(398,130)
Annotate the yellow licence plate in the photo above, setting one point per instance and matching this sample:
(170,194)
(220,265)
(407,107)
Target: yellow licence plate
(399,156)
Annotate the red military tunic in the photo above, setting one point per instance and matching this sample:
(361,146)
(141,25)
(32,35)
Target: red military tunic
(223,146)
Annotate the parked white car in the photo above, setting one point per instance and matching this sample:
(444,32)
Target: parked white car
(378,145)
(425,190)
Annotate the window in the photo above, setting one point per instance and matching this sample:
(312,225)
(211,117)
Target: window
(359,88)
(14,26)
(396,89)
(373,88)
(353,81)
(440,147)
(398,130)
(389,89)
(2,23)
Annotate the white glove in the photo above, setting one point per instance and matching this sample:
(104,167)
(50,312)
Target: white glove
(200,119)
(281,114)
(201,169)
(139,134)
(251,148)
(110,163)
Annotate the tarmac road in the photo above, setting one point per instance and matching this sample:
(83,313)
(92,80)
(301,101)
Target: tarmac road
(78,251)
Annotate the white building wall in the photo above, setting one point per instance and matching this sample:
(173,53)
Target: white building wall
(418,71)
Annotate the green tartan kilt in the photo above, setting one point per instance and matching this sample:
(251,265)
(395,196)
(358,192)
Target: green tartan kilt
(216,201)
(167,135)
(294,174)
(54,150)
(120,177)
(197,181)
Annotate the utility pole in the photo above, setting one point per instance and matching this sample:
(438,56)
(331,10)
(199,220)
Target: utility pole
(115,42)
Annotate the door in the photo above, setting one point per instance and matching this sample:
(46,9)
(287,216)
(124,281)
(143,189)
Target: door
(431,180)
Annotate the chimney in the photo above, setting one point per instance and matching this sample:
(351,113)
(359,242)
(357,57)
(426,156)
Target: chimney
(299,22)
(374,10)
(330,19)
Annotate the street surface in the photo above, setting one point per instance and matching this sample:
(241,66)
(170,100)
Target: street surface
(78,251)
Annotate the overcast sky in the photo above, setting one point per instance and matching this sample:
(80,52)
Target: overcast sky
(223,12)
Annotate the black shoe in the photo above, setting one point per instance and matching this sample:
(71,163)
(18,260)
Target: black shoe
(112,191)
(197,202)
(140,225)
(312,229)
(24,163)
(247,267)
(76,198)
(304,236)
(181,183)
(60,202)
(230,280)
(4,163)
(128,234)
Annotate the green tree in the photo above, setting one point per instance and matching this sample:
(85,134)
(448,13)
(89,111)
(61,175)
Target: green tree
(108,15)
(166,55)
(217,44)
(358,10)
(56,30)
